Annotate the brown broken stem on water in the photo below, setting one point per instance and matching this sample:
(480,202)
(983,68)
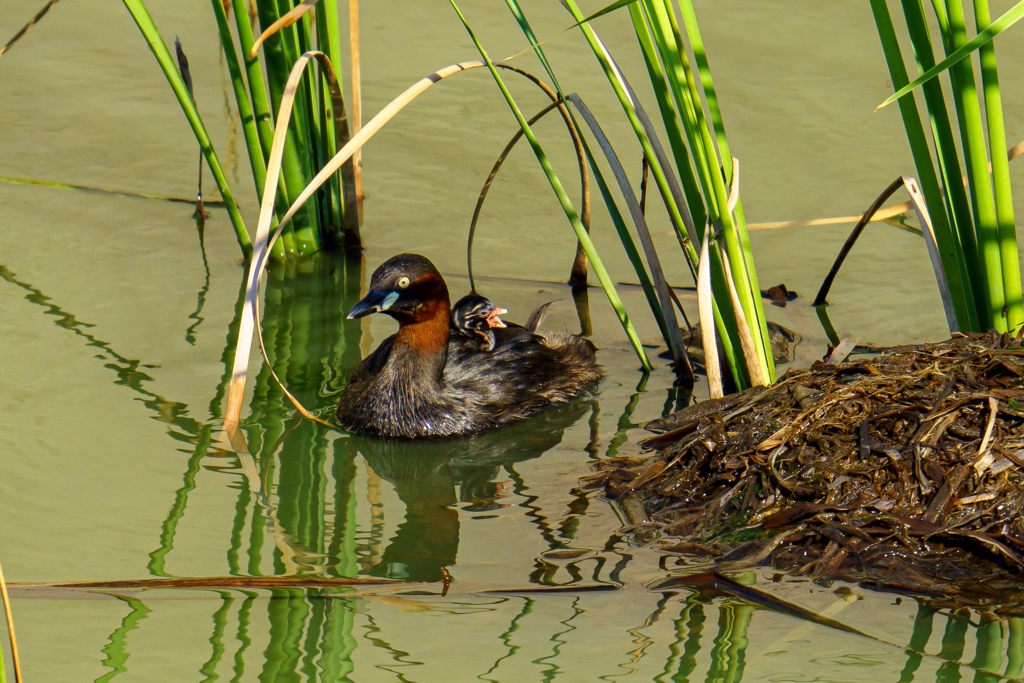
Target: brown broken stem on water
(826,285)
(200,213)
(241,582)
(24,29)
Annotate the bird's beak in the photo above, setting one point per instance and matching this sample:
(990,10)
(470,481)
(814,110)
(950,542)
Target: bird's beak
(374,302)
(493,320)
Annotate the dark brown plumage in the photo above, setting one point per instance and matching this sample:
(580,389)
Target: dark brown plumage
(425,382)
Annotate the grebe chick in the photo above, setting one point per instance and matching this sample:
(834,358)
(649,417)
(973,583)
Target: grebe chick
(476,317)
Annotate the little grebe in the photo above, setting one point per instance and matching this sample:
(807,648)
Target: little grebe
(426,382)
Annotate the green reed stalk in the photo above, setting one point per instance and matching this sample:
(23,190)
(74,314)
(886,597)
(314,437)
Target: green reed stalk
(634,121)
(657,15)
(257,162)
(627,243)
(737,244)
(669,116)
(1009,260)
(252,138)
(613,210)
(684,91)
(723,314)
(949,246)
(1011,17)
(976,238)
(307,117)
(966,276)
(982,199)
(566,203)
(725,158)
(659,296)
(144,21)
(329,42)
(278,66)
(724,319)
(264,121)
(661,315)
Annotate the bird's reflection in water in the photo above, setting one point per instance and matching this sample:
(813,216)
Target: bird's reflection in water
(432,477)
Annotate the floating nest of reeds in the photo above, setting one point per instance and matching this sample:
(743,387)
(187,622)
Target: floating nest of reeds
(903,469)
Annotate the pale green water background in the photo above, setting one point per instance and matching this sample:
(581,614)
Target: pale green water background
(109,384)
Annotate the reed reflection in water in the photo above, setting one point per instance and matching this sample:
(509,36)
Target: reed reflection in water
(328,635)
(311,501)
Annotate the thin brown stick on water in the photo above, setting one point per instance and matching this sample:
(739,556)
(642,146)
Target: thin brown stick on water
(10,626)
(357,99)
(106,190)
(852,239)
(186,75)
(239,582)
(645,168)
(24,29)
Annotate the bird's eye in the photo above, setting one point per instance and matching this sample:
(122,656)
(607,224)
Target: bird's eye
(403,283)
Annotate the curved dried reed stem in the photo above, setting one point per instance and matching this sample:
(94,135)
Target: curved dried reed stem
(236,388)
(705,305)
(262,245)
(286,20)
(10,627)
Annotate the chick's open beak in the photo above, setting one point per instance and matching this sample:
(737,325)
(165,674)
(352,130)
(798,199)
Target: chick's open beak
(493,320)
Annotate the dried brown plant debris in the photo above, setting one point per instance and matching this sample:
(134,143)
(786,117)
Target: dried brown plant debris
(904,469)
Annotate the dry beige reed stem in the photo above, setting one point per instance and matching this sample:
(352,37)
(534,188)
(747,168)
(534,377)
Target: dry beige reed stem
(10,624)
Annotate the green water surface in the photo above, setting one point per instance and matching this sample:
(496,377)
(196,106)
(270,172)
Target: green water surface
(117,330)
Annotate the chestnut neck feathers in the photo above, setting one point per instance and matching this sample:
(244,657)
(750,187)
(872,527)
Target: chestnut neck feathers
(425,328)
